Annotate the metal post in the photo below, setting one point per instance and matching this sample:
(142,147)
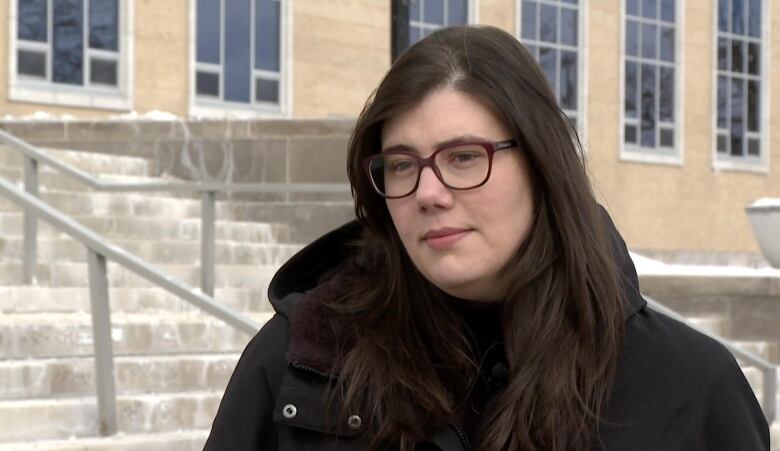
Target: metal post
(208,217)
(101,335)
(770,394)
(30,222)
(399,28)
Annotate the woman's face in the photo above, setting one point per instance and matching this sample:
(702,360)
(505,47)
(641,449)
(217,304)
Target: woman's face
(483,227)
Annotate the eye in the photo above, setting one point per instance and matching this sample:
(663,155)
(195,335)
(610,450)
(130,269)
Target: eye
(401,166)
(463,157)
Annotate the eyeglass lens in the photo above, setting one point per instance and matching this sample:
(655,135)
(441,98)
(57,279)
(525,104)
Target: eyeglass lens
(460,167)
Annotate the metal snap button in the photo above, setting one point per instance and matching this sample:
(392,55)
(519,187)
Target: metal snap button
(289,411)
(354,422)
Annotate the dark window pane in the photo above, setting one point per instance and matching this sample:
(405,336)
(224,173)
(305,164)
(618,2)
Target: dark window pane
(632,38)
(102,71)
(753,105)
(667,137)
(737,19)
(737,56)
(754,147)
(648,106)
(723,54)
(666,100)
(238,33)
(529,20)
(569,80)
(68,58)
(632,7)
(667,44)
(754,58)
(31,63)
(414,35)
(207,84)
(649,33)
(266,90)
(267,20)
(569,26)
(630,134)
(414,10)
(548,23)
(754,18)
(723,102)
(667,10)
(723,146)
(457,12)
(632,77)
(548,59)
(433,11)
(208,40)
(32,20)
(737,115)
(650,9)
(723,15)
(103,24)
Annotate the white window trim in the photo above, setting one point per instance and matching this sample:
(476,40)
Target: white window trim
(582,65)
(120,98)
(722,164)
(215,108)
(638,154)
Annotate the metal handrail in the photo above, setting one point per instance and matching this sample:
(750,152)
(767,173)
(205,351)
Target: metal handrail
(33,156)
(769,370)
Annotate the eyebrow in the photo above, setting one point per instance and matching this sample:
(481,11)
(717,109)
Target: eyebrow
(450,142)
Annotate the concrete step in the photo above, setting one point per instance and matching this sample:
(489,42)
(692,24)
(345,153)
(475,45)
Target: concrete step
(39,299)
(90,162)
(717,324)
(768,350)
(167,252)
(755,378)
(52,180)
(65,274)
(774,434)
(168,441)
(75,377)
(159,228)
(28,420)
(50,335)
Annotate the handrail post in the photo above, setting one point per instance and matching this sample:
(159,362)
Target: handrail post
(101,335)
(30,222)
(207,232)
(770,394)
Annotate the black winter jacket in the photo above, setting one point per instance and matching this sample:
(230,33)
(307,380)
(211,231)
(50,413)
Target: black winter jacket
(675,389)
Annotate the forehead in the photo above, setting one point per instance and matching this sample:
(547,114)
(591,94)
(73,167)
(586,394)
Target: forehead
(441,116)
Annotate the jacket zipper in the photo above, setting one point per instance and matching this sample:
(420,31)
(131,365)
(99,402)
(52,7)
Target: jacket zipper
(315,371)
(464,440)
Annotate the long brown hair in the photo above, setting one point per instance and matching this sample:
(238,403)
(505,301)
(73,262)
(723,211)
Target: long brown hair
(562,312)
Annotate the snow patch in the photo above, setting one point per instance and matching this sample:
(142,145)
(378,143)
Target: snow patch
(766,202)
(650,267)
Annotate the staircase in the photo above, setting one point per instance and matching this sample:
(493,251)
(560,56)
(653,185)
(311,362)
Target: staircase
(744,309)
(172,362)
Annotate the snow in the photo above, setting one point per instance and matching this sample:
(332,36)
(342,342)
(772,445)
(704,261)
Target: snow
(767,202)
(649,267)
(39,116)
(153,115)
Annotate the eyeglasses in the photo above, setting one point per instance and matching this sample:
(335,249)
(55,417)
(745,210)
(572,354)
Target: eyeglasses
(396,174)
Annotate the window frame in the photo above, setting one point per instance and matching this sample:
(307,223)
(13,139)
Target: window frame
(582,63)
(472,17)
(637,153)
(86,95)
(200,106)
(720,163)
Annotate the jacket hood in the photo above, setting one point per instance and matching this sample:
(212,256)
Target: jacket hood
(306,269)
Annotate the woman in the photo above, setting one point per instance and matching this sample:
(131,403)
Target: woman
(483,299)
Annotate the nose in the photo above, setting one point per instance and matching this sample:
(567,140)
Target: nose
(431,192)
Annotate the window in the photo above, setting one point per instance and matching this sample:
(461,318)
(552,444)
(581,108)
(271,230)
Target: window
(238,48)
(550,31)
(739,85)
(74,46)
(425,16)
(650,78)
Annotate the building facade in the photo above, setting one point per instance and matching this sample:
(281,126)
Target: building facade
(672,98)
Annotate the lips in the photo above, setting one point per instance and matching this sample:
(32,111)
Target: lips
(440,239)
